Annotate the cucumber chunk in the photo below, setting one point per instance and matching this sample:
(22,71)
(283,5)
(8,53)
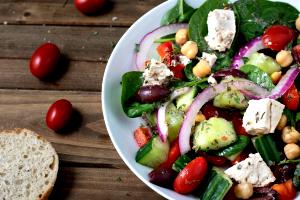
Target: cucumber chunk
(153,153)
(265,63)
(174,119)
(181,162)
(183,102)
(231,99)
(213,134)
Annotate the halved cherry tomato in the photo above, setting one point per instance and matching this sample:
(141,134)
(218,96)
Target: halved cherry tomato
(208,110)
(165,49)
(191,176)
(174,153)
(277,37)
(59,114)
(89,6)
(178,71)
(237,122)
(142,135)
(241,157)
(291,98)
(286,190)
(214,160)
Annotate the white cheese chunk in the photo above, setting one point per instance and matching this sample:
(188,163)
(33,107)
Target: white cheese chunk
(156,73)
(184,60)
(210,58)
(221,29)
(211,80)
(262,116)
(251,170)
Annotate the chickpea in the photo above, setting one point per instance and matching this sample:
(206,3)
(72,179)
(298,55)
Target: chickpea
(284,58)
(290,135)
(189,49)
(275,77)
(297,23)
(200,117)
(282,122)
(243,190)
(181,36)
(292,151)
(202,69)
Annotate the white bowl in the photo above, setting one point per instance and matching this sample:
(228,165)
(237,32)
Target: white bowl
(119,126)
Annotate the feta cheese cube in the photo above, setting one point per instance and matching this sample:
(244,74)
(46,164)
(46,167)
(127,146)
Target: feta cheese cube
(251,170)
(210,58)
(211,80)
(221,29)
(262,116)
(184,60)
(156,73)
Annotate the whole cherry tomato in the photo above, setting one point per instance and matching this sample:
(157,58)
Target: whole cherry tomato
(291,98)
(89,6)
(277,37)
(191,176)
(59,114)
(44,60)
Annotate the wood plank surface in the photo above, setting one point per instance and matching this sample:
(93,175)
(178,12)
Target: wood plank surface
(63,12)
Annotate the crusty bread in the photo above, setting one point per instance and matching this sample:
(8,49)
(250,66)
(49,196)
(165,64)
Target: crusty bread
(28,166)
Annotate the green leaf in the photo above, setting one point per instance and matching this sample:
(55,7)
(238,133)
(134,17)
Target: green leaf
(188,70)
(181,12)
(297,117)
(131,83)
(257,15)
(166,38)
(258,76)
(290,117)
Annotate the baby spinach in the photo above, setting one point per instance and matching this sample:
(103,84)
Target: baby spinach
(258,76)
(188,70)
(131,83)
(296,178)
(257,15)
(181,12)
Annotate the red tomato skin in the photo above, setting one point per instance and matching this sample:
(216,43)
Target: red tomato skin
(165,49)
(191,176)
(89,6)
(173,155)
(142,135)
(44,60)
(59,114)
(291,98)
(238,125)
(277,37)
(286,190)
(214,160)
(178,71)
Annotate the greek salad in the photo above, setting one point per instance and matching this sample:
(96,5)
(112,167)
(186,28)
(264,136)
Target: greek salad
(218,89)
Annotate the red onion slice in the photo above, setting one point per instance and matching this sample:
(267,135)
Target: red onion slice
(251,47)
(162,125)
(285,82)
(207,95)
(148,40)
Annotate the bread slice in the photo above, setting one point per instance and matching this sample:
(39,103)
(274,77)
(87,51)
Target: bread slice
(28,166)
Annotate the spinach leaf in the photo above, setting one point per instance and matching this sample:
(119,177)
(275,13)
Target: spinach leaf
(166,38)
(188,70)
(257,15)
(197,25)
(182,12)
(200,83)
(291,117)
(296,178)
(131,83)
(258,76)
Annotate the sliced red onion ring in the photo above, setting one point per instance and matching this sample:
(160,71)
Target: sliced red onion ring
(285,82)
(162,125)
(207,95)
(250,48)
(148,39)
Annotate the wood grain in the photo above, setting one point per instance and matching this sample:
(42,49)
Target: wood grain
(76,43)
(71,75)
(56,12)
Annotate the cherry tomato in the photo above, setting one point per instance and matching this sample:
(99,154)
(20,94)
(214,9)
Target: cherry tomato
(59,114)
(165,49)
(277,37)
(241,157)
(286,190)
(237,122)
(291,98)
(89,6)
(208,110)
(44,60)
(214,160)
(174,153)
(142,135)
(191,176)
(177,71)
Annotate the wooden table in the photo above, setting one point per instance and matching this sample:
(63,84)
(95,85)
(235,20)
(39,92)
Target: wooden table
(90,167)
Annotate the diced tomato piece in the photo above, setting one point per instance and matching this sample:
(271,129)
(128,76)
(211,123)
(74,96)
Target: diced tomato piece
(240,157)
(142,135)
(208,110)
(237,122)
(291,98)
(286,190)
(165,49)
(214,160)
(173,155)
(178,71)
(277,37)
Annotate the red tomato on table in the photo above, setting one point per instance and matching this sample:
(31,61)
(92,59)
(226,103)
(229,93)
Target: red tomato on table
(89,6)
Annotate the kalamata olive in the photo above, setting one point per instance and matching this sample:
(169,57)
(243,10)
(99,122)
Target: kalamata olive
(162,176)
(152,93)
(298,126)
(296,53)
(283,173)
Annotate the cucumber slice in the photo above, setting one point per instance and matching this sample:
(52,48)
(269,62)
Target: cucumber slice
(181,162)
(174,120)
(216,186)
(265,63)
(153,153)
(266,147)
(183,102)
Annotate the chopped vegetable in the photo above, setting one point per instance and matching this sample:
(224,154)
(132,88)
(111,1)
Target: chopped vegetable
(181,162)
(286,190)
(142,135)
